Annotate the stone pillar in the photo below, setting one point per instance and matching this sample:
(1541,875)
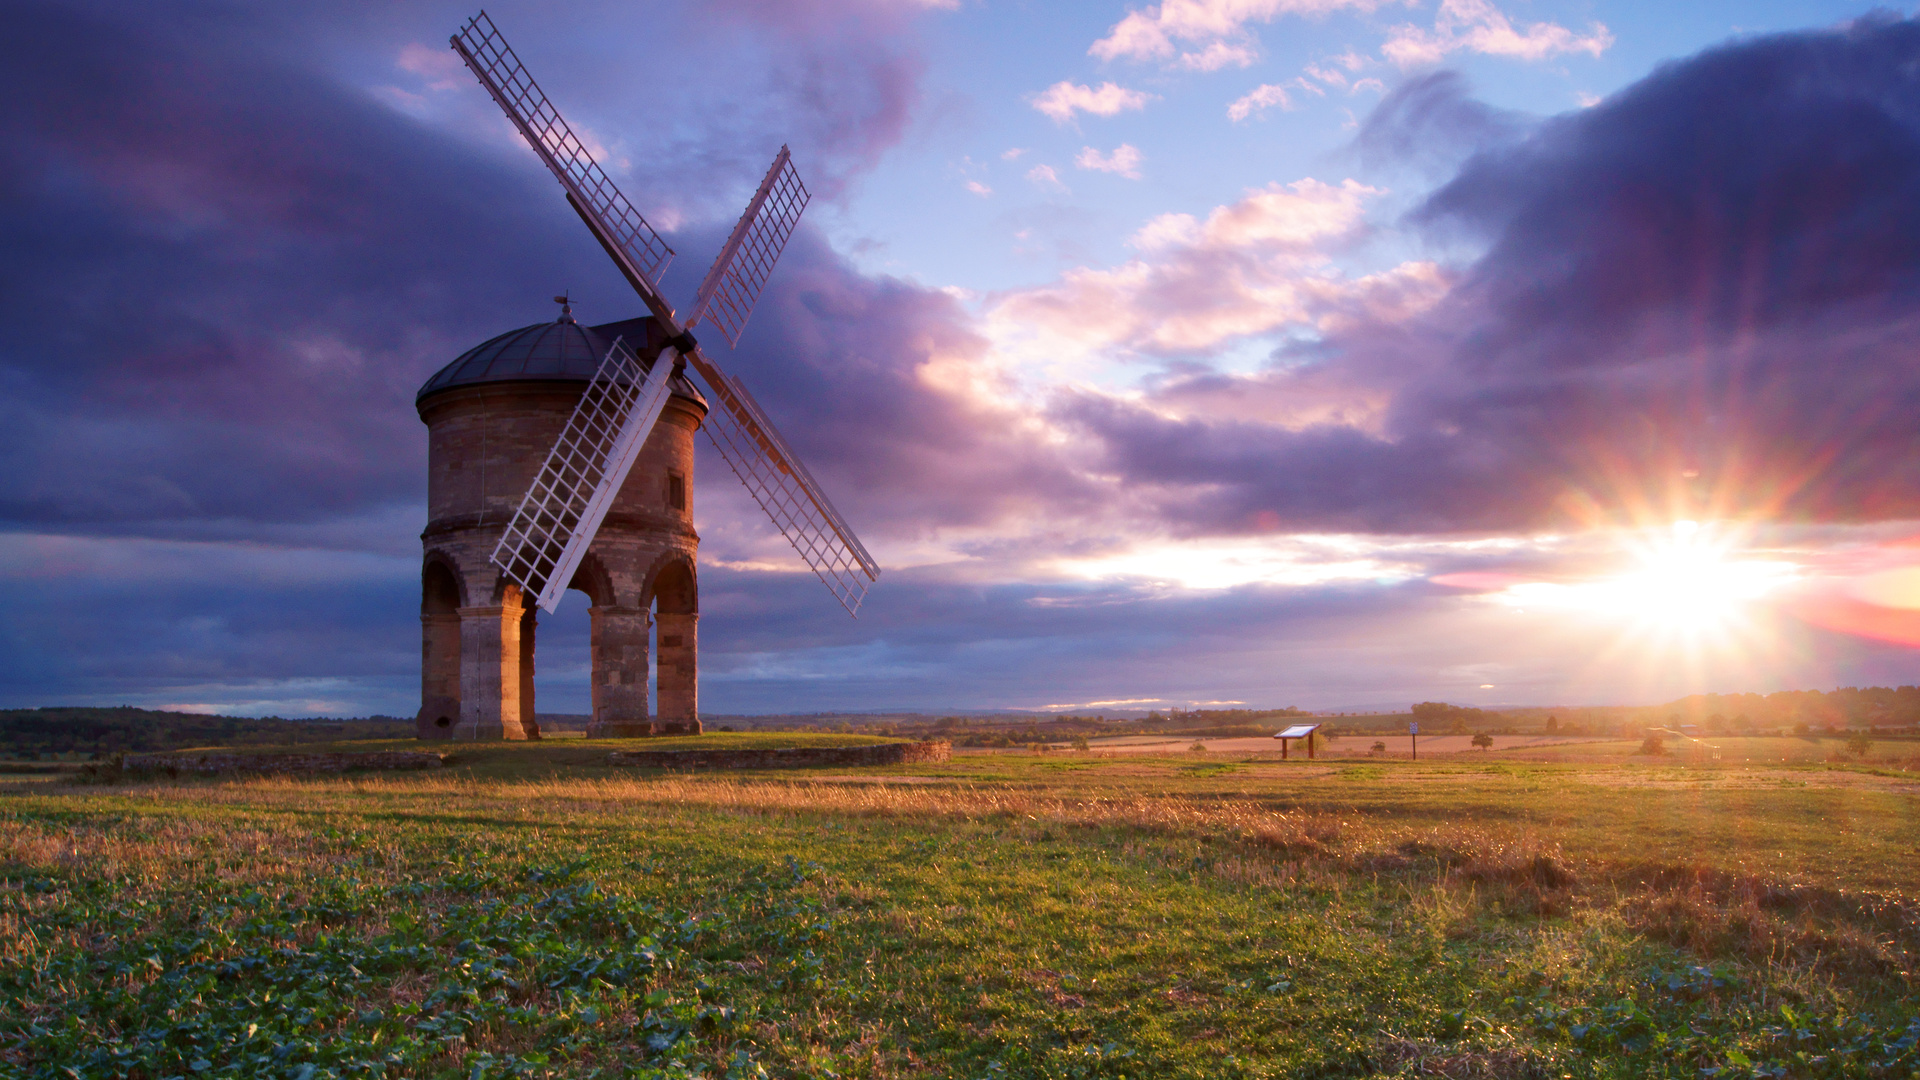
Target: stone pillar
(529,719)
(490,673)
(439,675)
(619,673)
(679,679)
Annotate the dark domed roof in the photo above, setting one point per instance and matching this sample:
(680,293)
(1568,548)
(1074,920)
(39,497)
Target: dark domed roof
(559,351)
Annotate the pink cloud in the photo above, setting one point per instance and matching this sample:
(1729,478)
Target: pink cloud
(439,67)
(1212,31)
(1478,26)
(1043,176)
(1218,55)
(1261,99)
(1125,160)
(1061,100)
(1252,267)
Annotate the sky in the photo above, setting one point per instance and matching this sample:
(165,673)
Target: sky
(1329,353)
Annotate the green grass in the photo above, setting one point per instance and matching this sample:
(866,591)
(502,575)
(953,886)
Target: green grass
(1000,915)
(546,757)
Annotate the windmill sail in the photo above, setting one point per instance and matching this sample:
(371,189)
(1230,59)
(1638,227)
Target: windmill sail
(747,440)
(639,252)
(549,533)
(554,530)
(756,453)
(746,261)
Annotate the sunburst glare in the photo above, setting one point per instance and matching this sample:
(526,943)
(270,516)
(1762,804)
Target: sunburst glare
(1684,581)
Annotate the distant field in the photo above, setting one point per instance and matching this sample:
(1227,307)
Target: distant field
(1344,746)
(571,749)
(1175,914)
(1895,752)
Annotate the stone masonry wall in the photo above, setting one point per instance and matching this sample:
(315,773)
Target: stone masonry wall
(485,443)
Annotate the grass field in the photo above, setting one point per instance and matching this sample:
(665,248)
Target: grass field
(529,912)
(1895,752)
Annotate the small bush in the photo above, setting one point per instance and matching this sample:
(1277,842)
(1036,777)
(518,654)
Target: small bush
(1860,743)
(1653,744)
(1379,748)
(1483,740)
(1198,748)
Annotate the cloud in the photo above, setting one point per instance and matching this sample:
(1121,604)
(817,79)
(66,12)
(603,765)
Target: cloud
(1206,34)
(839,83)
(1695,300)
(1337,71)
(1433,122)
(979,189)
(267,261)
(228,270)
(1061,100)
(1317,79)
(1261,99)
(1125,160)
(887,392)
(1478,26)
(1043,177)
(206,622)
(440,68)
(1252,267)
(1218,55)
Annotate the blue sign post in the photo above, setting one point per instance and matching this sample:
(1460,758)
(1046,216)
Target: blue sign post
(1413,732)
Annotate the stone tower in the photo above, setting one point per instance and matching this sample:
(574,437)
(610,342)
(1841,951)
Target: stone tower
(491,417)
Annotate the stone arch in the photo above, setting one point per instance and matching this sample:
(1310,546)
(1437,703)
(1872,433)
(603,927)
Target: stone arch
(673,585)
(442,595)
(675,592)
(594,579)
(443,591)
(507,592)
(619,643)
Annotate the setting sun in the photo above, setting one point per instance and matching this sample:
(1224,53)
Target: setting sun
(1691,580)
(1685,579)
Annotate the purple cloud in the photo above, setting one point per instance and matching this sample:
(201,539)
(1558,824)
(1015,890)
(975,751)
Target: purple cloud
(229,270)
(1696,299)
(230,267)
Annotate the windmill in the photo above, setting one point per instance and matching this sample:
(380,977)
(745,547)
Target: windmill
(557,519)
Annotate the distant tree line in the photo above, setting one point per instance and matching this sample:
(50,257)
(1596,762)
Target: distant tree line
(1849,706)
(29,734)
(1440,716)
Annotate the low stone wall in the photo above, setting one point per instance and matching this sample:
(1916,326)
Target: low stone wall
(795,757)
(210,764)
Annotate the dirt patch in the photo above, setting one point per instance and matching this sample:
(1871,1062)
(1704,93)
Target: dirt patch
(1425,1057)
